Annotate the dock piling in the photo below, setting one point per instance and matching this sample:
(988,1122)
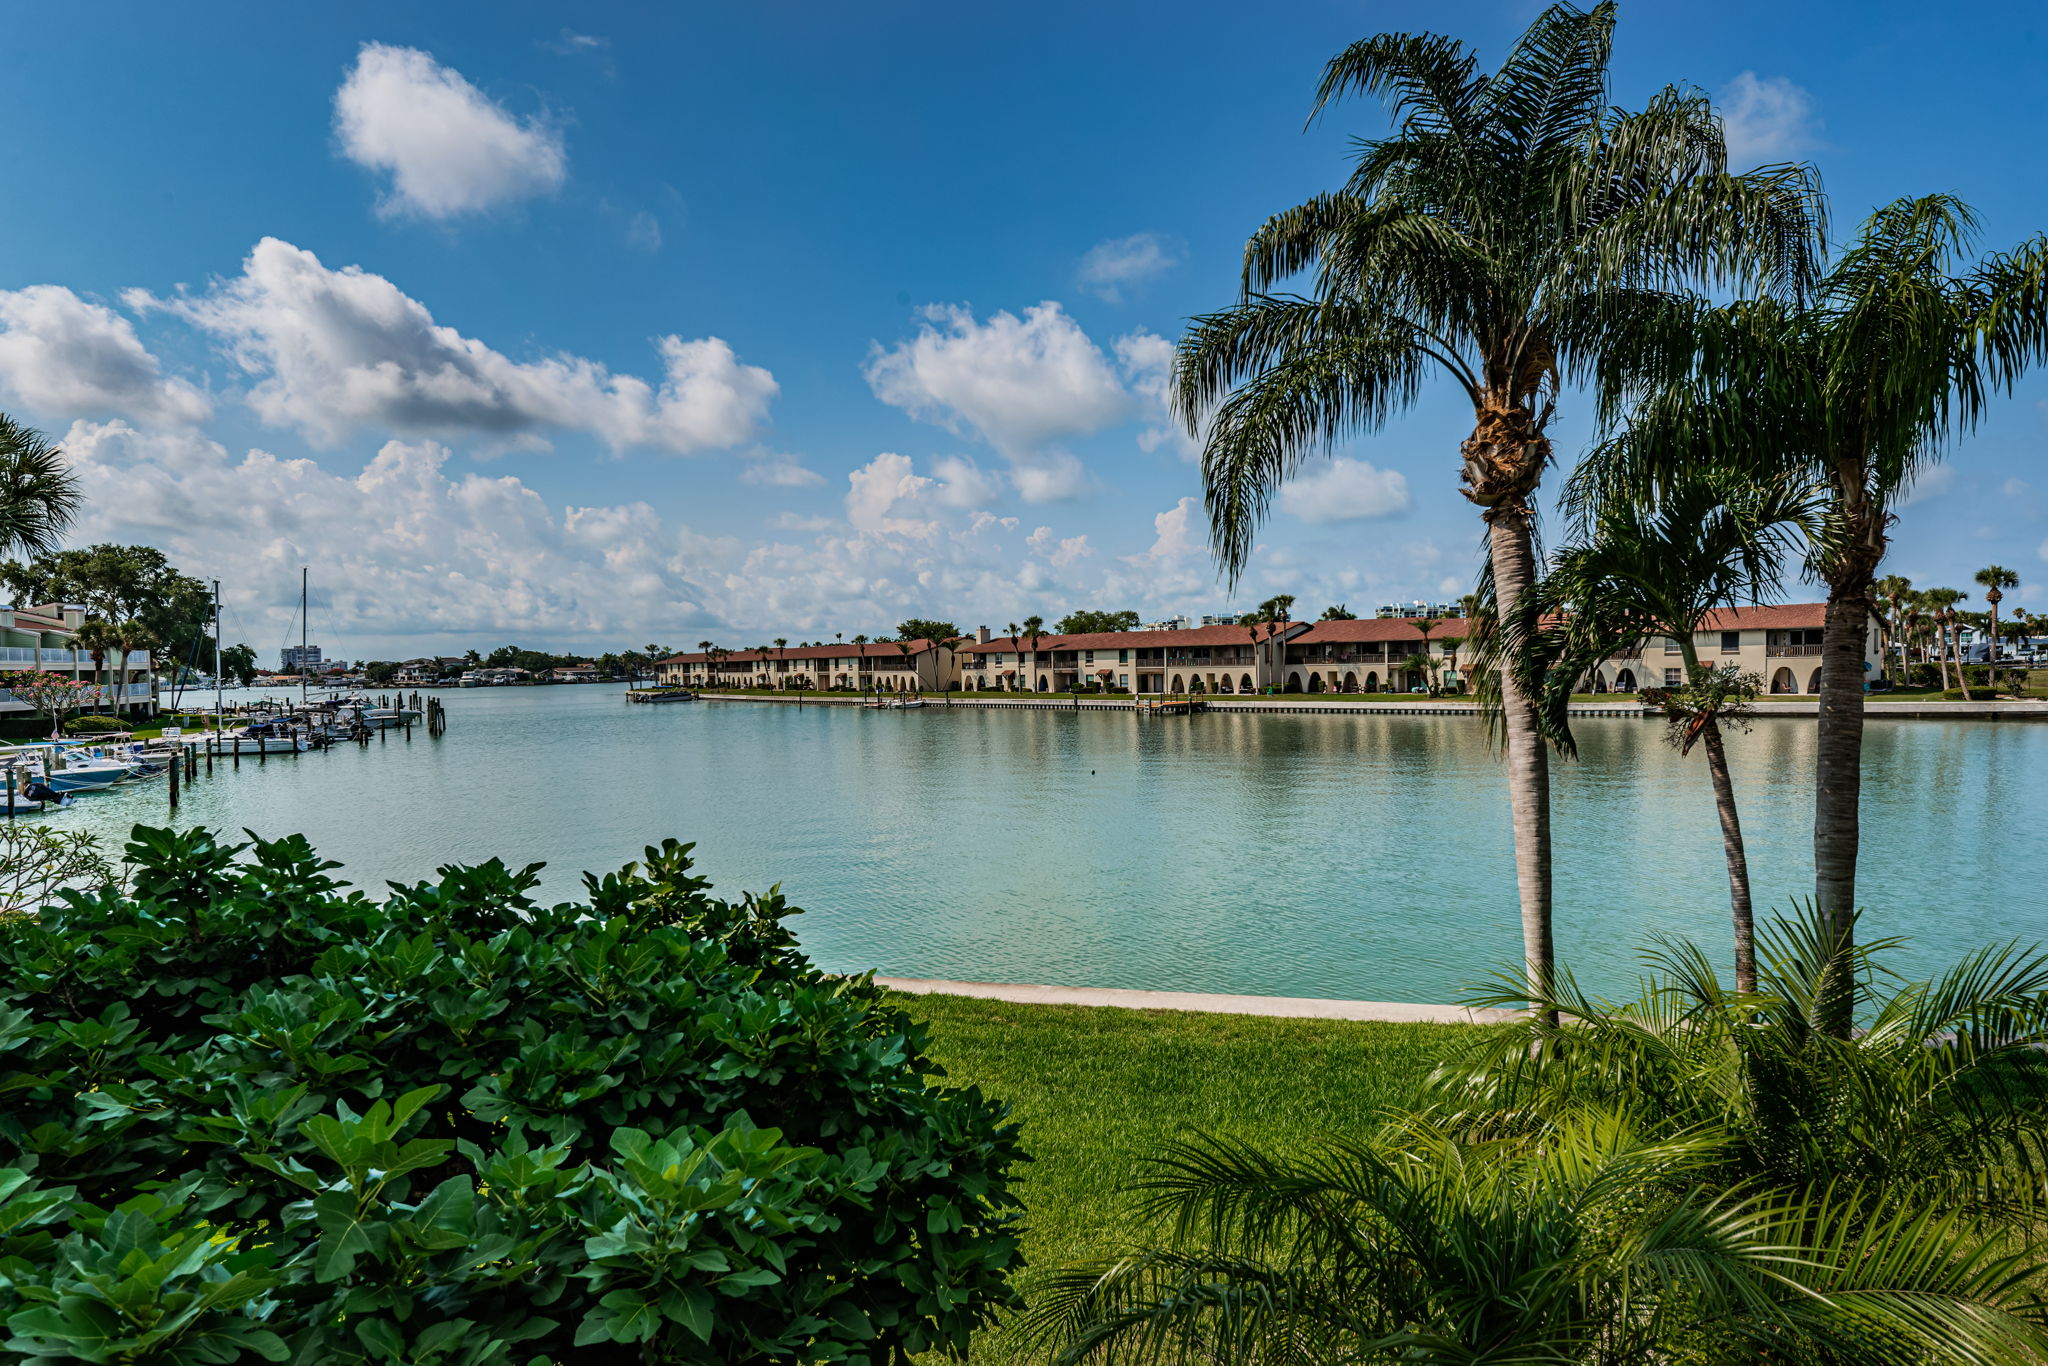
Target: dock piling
(175,766)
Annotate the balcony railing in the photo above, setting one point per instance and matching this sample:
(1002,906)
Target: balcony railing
(1781,651)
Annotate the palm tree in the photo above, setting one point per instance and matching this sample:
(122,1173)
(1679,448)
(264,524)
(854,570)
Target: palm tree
(1595,1247)
(98,638)
(1995,579)
(1425,625)
(1514,232)
(1940,604)
(1419,663)
(1715,542)
(134,637)
(1451,644)
(38,493)
(1901,345)
(1017,640)
(1032,627)
(1891,590)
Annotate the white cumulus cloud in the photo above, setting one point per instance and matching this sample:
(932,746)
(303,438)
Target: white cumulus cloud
(771,469)
(1767,119)
(1123,261)
(1344,491)
(1018,383)
(64,357)
(964,484)
(448,148)
(332,351)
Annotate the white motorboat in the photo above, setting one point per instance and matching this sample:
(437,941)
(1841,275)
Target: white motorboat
(905,703)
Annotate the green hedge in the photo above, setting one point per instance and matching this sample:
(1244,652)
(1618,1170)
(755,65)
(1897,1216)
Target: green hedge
(251,1114)
(97,725)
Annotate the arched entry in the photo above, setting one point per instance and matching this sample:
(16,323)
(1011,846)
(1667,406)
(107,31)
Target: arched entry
(1350,682)
(1245,684)
(1315,682)
(1224,685)
(1813,683)
(1782,681)
(1372,681)
(1294,682)
(1625,681)
(1179,684)
(1044,683)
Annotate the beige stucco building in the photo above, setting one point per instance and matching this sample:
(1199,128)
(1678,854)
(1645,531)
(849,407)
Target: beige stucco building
(1224,659)
(885,666)
(1781,645)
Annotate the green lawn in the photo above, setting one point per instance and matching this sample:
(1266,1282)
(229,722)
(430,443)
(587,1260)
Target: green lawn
(1099,1089)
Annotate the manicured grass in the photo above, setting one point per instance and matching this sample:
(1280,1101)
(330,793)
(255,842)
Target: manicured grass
(1098,1090)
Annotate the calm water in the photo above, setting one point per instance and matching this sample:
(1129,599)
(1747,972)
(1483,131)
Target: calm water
(1344,856)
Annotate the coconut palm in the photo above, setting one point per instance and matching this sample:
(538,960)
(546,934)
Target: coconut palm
(38,493)
(98,639)
(1713,543)
(1032,627)
(1513,232)
(1891,591)
(134,637)
(1597,1246)
(1940,605)
(1995,579)
(1902,345)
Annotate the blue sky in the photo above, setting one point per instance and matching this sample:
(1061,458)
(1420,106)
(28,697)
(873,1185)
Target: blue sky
(773,321)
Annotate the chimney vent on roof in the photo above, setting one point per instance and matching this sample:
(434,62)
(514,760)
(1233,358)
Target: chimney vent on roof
(981,635)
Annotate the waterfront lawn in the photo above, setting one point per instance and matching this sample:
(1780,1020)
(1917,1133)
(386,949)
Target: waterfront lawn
(1100,1089)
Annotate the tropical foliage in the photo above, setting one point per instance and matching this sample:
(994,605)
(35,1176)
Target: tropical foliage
(253,1114)
(38,492)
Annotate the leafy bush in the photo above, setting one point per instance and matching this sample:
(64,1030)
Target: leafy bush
(97,725)
(252,1114)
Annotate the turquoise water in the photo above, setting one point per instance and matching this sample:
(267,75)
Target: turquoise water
(1358,857)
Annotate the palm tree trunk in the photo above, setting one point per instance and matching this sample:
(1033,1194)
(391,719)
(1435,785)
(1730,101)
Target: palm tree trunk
(1512,552)
(1838,767)
(1738,860)
(1954,636)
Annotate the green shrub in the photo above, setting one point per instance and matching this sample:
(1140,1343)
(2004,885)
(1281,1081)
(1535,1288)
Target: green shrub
(253,1114)
(97,725)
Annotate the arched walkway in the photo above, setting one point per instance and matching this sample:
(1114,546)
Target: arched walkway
(1294,682)
(1044,683)
(1350,682)
(1315,682)
(1245,684)
(1224,685)
(1813,683)
(1179,685)
(1372,681)
(1625,681)
(1782,681)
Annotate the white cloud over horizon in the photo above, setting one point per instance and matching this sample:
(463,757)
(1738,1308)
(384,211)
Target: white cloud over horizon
(447,148)
(334,351)
(1345,490)
(63,356)
(1768,119)
(1112,266)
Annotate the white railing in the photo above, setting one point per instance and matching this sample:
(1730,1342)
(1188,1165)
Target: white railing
(62,659)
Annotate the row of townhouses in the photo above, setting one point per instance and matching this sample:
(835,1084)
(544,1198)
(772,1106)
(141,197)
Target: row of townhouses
(46,638)
(1780,644)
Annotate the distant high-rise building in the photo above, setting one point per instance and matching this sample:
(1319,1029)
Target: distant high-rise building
(299,656)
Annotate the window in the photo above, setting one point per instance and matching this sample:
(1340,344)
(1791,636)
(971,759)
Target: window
(1731,642)
(1123,680)
(1091,657)
(1671,678)
(1671,648)
(1123,656)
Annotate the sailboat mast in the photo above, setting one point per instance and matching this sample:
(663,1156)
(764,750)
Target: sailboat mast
(218,711)
(303,572)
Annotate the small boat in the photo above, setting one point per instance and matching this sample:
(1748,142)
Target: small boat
(660,695)
(904,703)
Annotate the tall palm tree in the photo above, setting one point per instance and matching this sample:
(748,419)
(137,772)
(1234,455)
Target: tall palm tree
(1718,541)
(38,493)
(1940,605)
(1891,591)
(1902,344)
(98,639)
(1032,628)
(1425,625)
(1514,232)
(1017,640)
(134,637)
(1995,579)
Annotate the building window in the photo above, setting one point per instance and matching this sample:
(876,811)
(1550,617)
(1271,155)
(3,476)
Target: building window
(1671,648)
(1090,657)
(1123,656)
(1731,642)
(1123,680)
(1671,678)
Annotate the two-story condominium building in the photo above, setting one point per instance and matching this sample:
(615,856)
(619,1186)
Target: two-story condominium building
(1779,644)
(1222,659)
(886,666)
(1372,654)
(46,638)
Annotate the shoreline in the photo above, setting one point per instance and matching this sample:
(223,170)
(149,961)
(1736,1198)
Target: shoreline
(1201,1002)
(2026,710)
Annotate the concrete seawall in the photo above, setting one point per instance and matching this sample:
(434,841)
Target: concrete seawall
(1302,703)
(1203,1002)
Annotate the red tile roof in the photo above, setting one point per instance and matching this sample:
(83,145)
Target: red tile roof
(874,649)
(1785,616)
(1133,640)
